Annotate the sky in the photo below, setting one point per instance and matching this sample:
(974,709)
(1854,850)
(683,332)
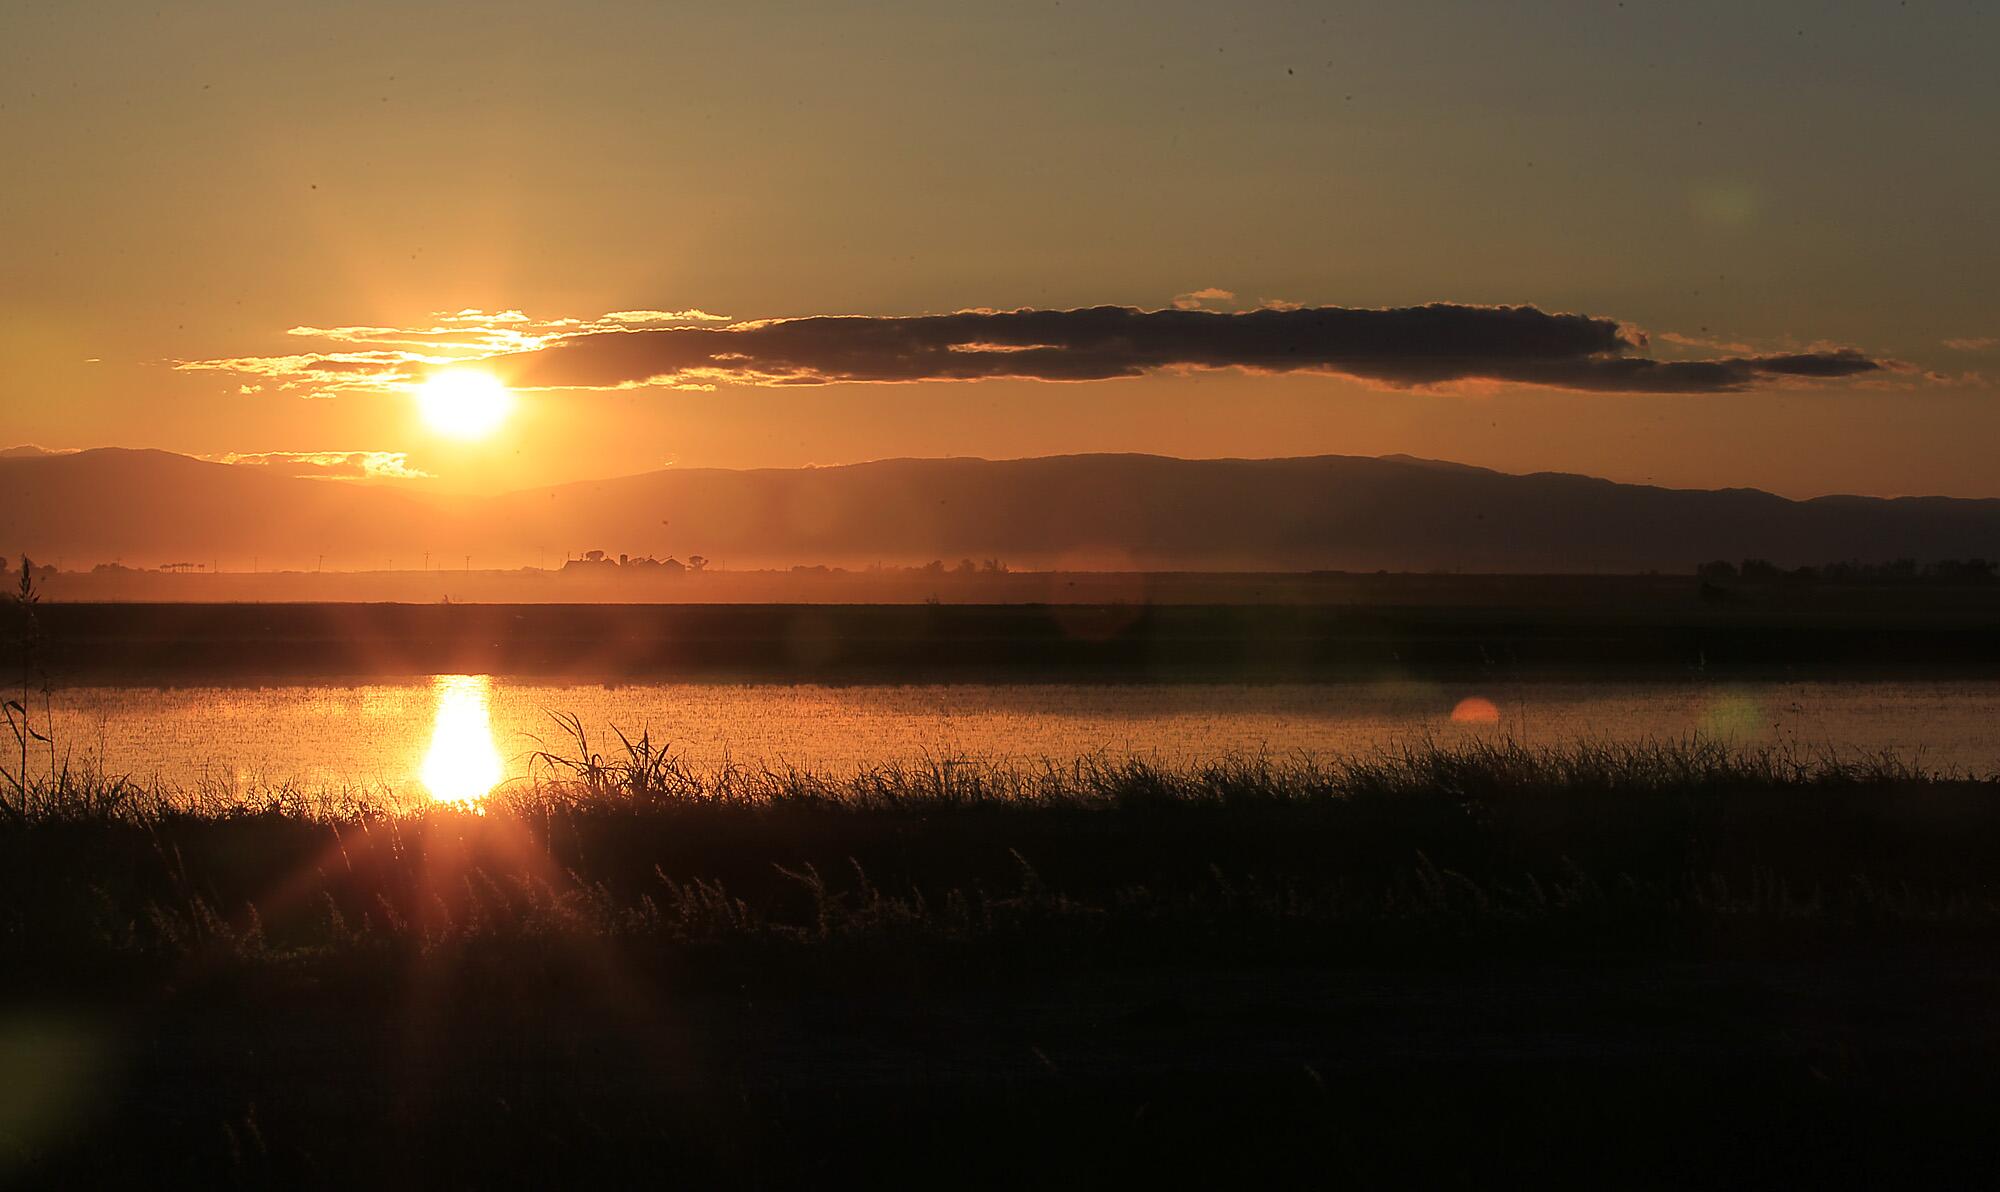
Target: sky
(608,204)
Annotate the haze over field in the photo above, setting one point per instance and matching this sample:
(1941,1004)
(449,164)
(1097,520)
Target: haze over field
(1084,512)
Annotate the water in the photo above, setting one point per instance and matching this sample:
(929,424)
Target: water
(391,735)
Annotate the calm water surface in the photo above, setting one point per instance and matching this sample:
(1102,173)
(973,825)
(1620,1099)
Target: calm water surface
(430,732)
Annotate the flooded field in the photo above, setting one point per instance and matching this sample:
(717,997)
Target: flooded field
(428,732)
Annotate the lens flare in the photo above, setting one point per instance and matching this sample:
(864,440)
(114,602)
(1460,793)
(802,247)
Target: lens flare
(463,766)
(1475,709)
(1733,716)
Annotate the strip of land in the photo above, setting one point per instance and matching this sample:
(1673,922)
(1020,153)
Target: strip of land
(1484,628)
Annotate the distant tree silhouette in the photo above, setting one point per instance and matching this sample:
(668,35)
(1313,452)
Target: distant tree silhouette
(1977,570)
(1974,571)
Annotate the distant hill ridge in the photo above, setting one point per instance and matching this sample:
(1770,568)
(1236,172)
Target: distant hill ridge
(148,507)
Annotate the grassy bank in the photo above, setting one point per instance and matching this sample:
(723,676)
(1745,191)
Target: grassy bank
(1620,844)
(1437,964)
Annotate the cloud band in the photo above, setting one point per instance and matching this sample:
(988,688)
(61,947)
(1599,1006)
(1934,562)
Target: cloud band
(1408,346)
(1437,344)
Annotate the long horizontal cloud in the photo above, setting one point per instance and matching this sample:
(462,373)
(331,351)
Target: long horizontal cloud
(1420,345)
(1408,346)
(327,465)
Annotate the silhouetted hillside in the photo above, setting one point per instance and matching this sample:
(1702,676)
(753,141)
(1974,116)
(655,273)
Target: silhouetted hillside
(1102,511)
(148,508)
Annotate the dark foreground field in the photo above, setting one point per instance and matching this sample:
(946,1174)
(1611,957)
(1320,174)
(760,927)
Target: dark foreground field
(1362,627)
(1669,967)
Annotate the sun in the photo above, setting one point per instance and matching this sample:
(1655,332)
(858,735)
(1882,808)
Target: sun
(464,403)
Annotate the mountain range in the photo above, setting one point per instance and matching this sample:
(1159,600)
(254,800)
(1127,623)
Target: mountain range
(1085,512)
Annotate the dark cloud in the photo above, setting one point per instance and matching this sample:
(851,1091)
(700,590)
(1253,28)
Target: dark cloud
(1842,363)
(1418,345)
(1638,374)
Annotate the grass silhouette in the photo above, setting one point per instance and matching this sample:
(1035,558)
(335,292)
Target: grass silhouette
(1429,964)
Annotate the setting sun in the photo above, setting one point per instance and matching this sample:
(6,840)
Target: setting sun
(464,403)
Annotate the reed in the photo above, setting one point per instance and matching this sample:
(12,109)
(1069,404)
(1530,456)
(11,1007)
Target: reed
(1581,846)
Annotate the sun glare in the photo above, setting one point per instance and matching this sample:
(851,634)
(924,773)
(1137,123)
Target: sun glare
(463,766)
(464,403)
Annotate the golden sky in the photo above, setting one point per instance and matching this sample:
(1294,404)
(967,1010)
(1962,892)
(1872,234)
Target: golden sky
(225,183)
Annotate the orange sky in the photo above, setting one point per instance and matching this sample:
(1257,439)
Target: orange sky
(193,182)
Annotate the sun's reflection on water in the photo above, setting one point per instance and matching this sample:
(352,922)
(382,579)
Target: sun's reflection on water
(463,765)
